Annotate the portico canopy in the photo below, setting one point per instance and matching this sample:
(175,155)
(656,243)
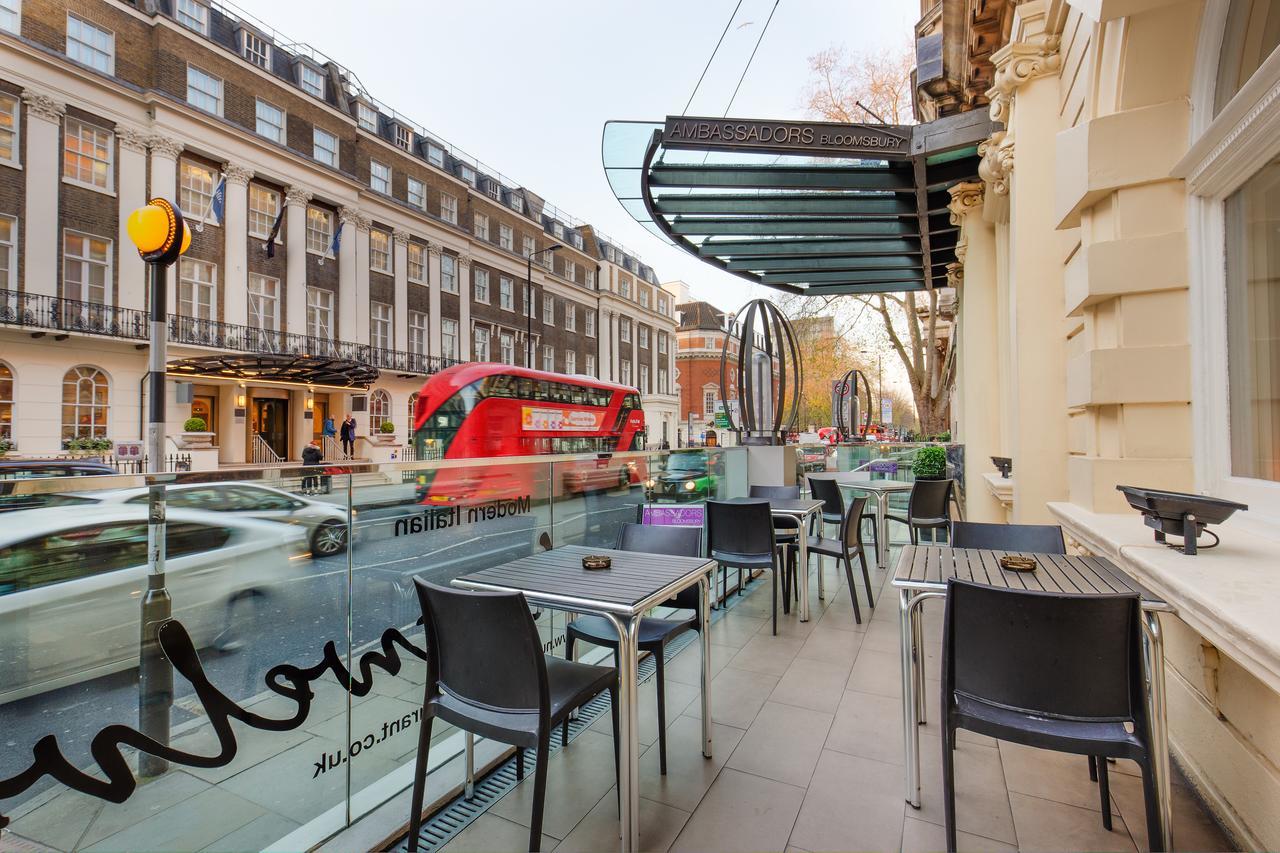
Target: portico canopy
(807,207)
(293,369)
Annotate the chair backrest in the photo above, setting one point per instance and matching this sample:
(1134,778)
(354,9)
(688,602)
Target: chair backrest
(483,648)
(827,491)
(851,524)
(675,541)
(931,499)
(1073,657)
(1040,538)
(776,493)
(742,526)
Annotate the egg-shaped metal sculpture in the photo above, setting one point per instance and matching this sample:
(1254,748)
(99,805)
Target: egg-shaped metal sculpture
(767,351)
(846,420)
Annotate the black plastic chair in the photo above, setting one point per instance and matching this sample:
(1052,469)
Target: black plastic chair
(843,548)
(740,535)
(828,491)
(928,508)
(1047,670)
(486,674)
(1037,538)
(786,536)
(654,633)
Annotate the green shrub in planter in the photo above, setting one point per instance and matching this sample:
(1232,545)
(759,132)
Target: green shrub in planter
(194,425)
(930,463)
(387,428)
(5,445)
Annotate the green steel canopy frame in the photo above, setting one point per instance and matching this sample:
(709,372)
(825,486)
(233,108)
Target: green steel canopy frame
(806,207)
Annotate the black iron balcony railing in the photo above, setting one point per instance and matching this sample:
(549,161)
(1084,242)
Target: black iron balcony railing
(71,316)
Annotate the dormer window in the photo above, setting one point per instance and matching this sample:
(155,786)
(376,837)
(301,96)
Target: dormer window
(467,173)
(576,239)
(491,188)
(366,117)
(193,15)
(404,137)
(558,230)
(311,80)
(517,202)
(435,155)
(255,49)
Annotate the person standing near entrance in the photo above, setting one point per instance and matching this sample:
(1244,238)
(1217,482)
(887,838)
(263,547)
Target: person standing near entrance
(311,455)
(348,435)
(327,429)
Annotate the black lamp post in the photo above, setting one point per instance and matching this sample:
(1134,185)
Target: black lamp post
(528,298)
(161,237)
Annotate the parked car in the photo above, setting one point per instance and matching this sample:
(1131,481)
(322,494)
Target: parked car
(14,473)
(71,585)
(325,523)
(685,478)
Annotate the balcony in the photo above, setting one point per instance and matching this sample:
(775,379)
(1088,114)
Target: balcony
(62,317)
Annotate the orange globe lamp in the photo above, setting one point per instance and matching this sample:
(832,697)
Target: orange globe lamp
(158,231)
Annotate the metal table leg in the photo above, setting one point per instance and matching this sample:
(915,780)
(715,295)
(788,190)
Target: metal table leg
(628,731)
(910,731)
(1153,646)
(705,589)
(882,532)
(917,623)
(822,575)
(802,557)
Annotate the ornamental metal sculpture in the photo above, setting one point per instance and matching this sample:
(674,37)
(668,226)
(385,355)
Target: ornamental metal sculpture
(848,390)
(767,413)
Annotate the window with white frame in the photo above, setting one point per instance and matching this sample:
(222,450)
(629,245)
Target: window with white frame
(11,16)
(197,289)
(204,90)
(435,156)
(506,294)
(571,270)
(644,336)
(644,297)
(91,45)
(709,401)
(366,117)
(557,229)
(417,194)
(448,273)
(548,358)
(195,190)
(575,239)
(591,278)
(320,313)
(86,403)
(381,325)
(662,305)
(528,246)
(417,332)
(644,380)
(86,268)
(548,309)
(507,348)
(9,113)
(8,253)
(570,361)
(379,410)
(416,258)
(662,381)
(589,320)
(480,344)
(482,226)
(526,307)
(570,317)
(506,237)
(624,330)
(380,251)
(517,202)
(6,402)
(624,287)
(264,207)
(481,285)
(194,15)
(264,302)
(662,343)
(86,154)
(324,147)
(590,365)
(448,208)
(404,137)
(380,177)
(624,372)
(467,174)
(255,48)
(319,231)
(449,338)
(270,121)
(311,80)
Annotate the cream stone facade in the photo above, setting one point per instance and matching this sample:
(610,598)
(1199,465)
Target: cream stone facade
(1116,327)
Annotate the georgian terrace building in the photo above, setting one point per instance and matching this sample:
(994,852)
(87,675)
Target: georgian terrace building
(395,254)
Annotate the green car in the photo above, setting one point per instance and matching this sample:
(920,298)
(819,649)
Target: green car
(686,478)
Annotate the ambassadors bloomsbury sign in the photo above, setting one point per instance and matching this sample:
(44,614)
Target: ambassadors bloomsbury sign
(787,137)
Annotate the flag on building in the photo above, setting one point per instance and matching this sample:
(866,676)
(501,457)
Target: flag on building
(216,207)
(333,246)
(270,245)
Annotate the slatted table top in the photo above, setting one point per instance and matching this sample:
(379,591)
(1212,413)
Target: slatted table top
(635,582)
(928,567)
(858,480)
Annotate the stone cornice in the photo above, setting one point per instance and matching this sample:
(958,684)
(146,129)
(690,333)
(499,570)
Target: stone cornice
(164,146)
(966,197)
(297,195)
(132,139)
(235,174)
(42,105)
(1016,63)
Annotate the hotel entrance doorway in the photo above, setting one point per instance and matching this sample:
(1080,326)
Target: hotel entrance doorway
(270,419)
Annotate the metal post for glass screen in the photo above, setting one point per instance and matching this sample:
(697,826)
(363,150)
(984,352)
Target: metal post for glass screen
(1153,652)
(469,786)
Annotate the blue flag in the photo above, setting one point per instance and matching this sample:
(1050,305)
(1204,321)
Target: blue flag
(218,203)
(270,245)
(333,246)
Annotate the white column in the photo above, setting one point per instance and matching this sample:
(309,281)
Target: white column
(356,314)
(464,309)
(400,263)
(235,227)
(43,129)
(653,357)
(433,296)
(615,344)
(131,194)
(296,200)
(347,263)
(164,184)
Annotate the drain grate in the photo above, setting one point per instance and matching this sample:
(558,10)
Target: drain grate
(460,812)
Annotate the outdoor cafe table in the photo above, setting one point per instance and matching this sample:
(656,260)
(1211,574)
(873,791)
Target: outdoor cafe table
(880,490)
(635,583)
(801,509)
(922,573)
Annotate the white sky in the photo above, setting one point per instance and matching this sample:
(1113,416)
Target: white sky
(526,87)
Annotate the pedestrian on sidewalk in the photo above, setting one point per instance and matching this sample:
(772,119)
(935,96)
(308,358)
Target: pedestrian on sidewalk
(348,434)
(311,455)
(328,430)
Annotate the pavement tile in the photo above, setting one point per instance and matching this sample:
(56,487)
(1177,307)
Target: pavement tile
(1047,825)
(741,812)
(783,744)
(851,803)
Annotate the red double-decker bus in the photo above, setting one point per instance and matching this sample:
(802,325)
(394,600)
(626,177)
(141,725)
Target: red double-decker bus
(482,410)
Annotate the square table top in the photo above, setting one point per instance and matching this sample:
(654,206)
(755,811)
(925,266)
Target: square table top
(860,480)
(635,582)
(791,506)
(928,567)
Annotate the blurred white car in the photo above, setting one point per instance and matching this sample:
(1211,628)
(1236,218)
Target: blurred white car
(325,523)
(72,579)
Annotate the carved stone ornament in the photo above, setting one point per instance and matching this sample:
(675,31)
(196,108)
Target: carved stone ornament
(297,195)
(354,218)
(132,139)
(464,259)
(1016,63)
(238,175)
(965,198)
(401,237)
(44,106)
(996,165)
(955,275)
(166,147)
(433,249)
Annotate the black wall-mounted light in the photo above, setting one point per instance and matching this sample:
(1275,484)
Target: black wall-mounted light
(1004,464)
(1180,514)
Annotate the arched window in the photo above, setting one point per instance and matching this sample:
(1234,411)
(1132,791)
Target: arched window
(6,402)
(85,403)
(379,410)
(413,405)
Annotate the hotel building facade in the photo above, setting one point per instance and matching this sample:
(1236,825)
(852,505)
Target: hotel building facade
(392,253)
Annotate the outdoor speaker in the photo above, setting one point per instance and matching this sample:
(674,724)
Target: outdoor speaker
(359,403)
(184,392)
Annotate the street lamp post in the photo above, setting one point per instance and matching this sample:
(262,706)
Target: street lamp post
(528,299)
(161,237)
